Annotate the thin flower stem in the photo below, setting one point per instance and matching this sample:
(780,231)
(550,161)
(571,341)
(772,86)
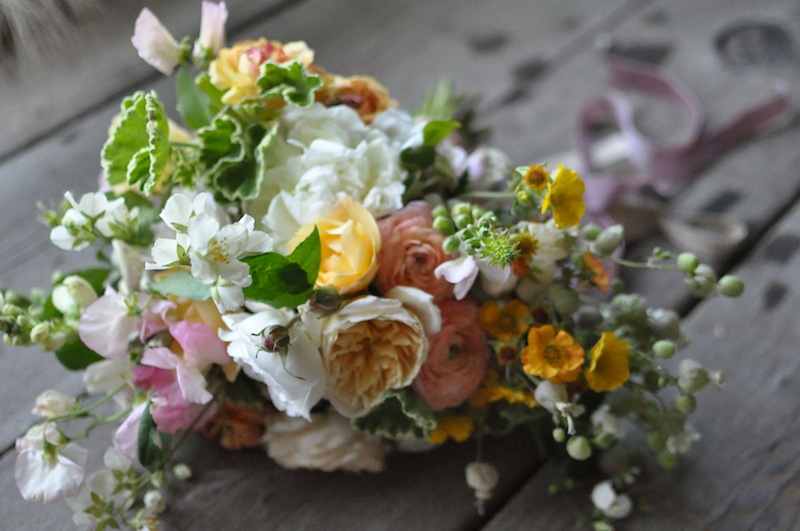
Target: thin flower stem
(84,411)
(641,265)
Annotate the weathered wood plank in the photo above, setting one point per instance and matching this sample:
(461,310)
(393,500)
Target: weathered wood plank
(96,64)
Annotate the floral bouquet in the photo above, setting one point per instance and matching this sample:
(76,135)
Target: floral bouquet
(301,262)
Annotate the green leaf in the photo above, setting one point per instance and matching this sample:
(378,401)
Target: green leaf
(193,102)
(136,152)
(282,281)
(235,158)
(437,130)
(289,81)
(401,414)
(214,94)
(182,284)
(416,159)
(76,356)
(151,445)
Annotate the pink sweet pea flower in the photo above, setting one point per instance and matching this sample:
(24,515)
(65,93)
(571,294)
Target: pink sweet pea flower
(200,344)
(212,27)
(127,435)
(107,325)
(155,44)
(191,382)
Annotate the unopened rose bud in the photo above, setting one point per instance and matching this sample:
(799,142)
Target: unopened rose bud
(325,301)
(579,448)
(276,339)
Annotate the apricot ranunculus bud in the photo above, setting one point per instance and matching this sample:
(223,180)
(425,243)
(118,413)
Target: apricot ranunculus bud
(370,346)
(350,246)
(411,251)
(457,357)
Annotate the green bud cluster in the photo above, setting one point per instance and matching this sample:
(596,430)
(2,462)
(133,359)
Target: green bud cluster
(472,230)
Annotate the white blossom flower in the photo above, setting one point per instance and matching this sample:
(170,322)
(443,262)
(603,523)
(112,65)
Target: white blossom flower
(212,27)
(102,484)
(554,398)
(46,470)
(613,505)
(296,383)
(52,403)
(606,424)
(75,232)
(155,44)
(328,442)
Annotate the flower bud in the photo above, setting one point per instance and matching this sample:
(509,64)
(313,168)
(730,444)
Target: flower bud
(609,240)
(80,290)
(703,282)
(182,471)
(153,501)
(525,198)
(579,448)
(440,211)
(52,403)
(685,403)
(55,341)
(482,477)
(688,262)
(665,324)
(40,333)
(325,300)
(630,308)
(451,244)
(565,300)
(461,209)
(276,338)
(667,459)
(463,222)
(731,286)
(692,377)
(444,225)
(664,348)
(559,435)
(590,232)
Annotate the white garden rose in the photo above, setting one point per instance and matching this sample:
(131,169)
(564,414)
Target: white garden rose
(320,155)
(295,383)
(326,443)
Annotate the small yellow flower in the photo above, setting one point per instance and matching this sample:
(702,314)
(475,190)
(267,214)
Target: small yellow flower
(600,277)
(504,322)
(608,368)
(456,427)
(556,357)
(565,198)
(491,391)
(537,177)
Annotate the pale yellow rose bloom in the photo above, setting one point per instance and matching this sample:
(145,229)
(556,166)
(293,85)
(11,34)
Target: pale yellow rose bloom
(236,69)
(350,242)
(370,346)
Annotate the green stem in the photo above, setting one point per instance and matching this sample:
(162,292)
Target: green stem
(487,195)
(641,265)
(84,411)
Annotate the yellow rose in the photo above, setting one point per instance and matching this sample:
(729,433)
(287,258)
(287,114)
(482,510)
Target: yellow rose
(370,346)
(350,241)
(236,69)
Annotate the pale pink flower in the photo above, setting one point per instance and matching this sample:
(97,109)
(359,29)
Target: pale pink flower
(108,325)
(212,26)
(155,44)
(127,435)
(457,357)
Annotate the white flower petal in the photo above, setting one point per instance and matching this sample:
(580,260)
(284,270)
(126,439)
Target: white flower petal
(154,43)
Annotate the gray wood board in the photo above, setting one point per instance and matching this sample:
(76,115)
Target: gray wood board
(95,63)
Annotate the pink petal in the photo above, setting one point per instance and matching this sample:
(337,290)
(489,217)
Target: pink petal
(127,435)
(193,385)
(212,26)
(105,326)
(160,357)
(200,344)
(154,43)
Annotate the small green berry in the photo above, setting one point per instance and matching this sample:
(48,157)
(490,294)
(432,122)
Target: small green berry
(590,232)
(440,211)
(579,448)
(451,244)
(688,262)
(731,286)
(664,348)
(559,435)
(685,403)
(444,225)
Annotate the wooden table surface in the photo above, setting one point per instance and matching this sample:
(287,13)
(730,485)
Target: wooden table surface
(532,63)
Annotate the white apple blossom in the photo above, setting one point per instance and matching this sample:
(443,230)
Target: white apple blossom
(613,505)
(295,383)
(46,469)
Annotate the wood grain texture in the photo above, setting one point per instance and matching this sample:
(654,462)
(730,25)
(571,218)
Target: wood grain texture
(96,65)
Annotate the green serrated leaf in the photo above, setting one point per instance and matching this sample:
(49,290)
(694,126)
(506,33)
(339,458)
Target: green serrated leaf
(214,94)
(308,255)
(193,102)
(183,284)
(401,414)
(76,356)
(289,81)
(437,130)
(137,149)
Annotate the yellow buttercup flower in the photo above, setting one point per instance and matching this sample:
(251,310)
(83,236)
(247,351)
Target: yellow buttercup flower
(504,322)
(608,368)
(537,177)
(350,242)
(565,198)
(600,277)
(554,356)
(491,391)
(456,427)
